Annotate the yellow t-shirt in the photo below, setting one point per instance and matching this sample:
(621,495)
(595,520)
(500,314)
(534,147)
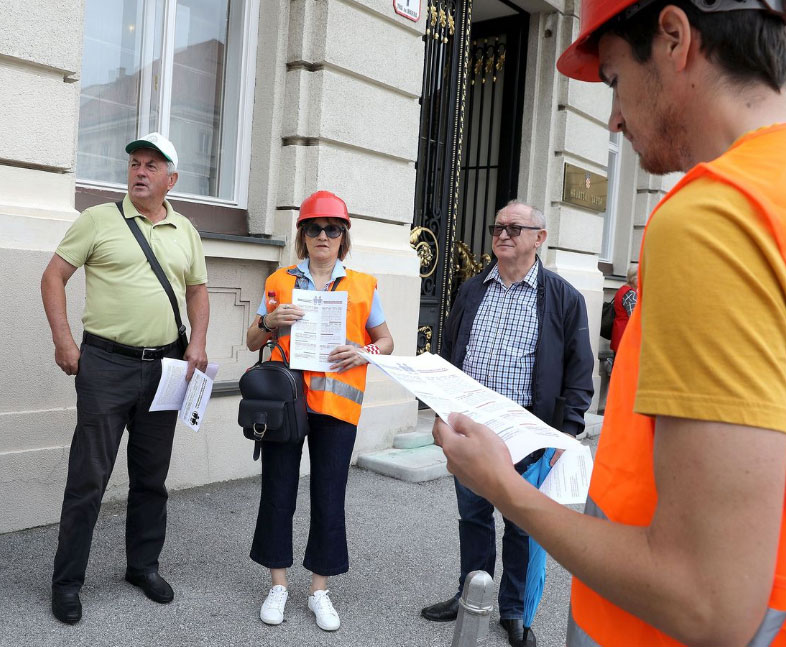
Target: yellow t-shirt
(713,311)
(124,300)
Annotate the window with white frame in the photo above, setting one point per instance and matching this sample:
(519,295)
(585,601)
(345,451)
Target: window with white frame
(610,217)
(183,68)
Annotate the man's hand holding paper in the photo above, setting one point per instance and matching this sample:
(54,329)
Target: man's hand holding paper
(477,456)
(188,397)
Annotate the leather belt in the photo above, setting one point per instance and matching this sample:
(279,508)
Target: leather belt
(147,354)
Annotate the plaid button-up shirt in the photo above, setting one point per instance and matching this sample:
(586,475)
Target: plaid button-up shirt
(501,349)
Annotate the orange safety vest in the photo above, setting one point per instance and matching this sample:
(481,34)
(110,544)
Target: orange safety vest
(623,483)
(334,394)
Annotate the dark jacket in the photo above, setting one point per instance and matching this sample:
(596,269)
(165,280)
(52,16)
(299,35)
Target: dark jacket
(563,355)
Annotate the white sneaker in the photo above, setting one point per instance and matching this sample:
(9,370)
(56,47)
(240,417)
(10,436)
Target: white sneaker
(272,611)
(320,604)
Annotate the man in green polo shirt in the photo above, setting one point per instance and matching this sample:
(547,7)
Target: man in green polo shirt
(129,326)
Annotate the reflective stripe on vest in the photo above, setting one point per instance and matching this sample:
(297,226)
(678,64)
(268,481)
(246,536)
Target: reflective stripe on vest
(768,629)
(623,488)
(321,382)
(577,637)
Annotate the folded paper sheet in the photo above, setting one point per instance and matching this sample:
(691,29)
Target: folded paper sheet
(188,398)
(448,390)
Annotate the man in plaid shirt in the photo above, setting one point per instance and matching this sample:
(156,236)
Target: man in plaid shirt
(520,330)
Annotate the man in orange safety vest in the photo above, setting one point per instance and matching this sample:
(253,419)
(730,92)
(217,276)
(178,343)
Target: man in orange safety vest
(682,540)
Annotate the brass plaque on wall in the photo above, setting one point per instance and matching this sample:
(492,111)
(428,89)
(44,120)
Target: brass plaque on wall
(584,189)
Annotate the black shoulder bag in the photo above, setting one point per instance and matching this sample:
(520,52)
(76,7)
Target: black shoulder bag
(182,339)
(607,319)
(273,404)
(273,401)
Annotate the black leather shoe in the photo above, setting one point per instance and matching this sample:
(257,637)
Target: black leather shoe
(518,634)
(441,611)
(153,585)
(66,606)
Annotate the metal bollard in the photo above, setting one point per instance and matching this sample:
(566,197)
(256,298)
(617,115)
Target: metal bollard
(475,605)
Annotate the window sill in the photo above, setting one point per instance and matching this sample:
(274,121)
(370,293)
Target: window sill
(252,248)
(211,218)
(226,388)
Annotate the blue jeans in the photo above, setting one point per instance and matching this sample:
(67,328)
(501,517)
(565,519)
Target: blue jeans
(478,546)
(330,444)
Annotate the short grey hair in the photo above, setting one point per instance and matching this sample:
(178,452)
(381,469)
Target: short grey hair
(632,276)
(537,215)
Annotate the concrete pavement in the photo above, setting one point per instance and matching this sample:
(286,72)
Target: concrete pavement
(403,540)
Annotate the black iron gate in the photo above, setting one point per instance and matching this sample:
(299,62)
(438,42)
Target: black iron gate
(463,174)
(492,140)
(441,134)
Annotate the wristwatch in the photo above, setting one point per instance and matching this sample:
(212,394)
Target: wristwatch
(262,325)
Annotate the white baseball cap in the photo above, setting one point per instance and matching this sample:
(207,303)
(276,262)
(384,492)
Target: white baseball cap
(157,142)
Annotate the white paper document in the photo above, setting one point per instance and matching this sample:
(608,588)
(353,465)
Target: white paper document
(188,398)
(568,481)
(195,402)
(322,328)
(446,390)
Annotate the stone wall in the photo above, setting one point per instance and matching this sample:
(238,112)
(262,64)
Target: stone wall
(336,107)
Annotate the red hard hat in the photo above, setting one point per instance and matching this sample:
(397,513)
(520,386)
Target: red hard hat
(580,60)
(323,204)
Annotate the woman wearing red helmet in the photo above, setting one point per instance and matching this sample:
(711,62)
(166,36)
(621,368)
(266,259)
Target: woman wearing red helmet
(334,400)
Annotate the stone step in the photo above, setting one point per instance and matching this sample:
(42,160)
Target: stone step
(412,465)
(425,420)
(421,436)
(413,439)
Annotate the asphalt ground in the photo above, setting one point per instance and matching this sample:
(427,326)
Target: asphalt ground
(403,542)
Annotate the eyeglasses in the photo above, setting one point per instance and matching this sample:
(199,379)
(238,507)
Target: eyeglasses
(331,231)
(512,230)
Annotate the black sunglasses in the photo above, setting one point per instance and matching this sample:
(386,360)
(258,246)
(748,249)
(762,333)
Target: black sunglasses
(512,230)
(331,231)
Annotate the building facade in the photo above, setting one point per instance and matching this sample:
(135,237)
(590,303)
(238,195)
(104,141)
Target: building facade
(424,115)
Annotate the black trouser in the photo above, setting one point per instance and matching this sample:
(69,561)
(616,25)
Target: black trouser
(330,443)
(114,391)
